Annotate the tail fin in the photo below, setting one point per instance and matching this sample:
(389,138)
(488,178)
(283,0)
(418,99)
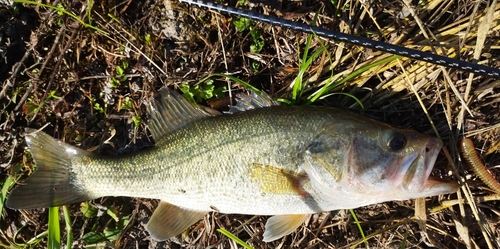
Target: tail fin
(53,183)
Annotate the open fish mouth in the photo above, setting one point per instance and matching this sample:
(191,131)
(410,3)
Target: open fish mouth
(418,179)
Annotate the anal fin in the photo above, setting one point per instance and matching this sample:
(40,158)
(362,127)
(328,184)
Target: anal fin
(169,220)
(281,225)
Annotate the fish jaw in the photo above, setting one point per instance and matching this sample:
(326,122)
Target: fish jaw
(417,181)
(414,179)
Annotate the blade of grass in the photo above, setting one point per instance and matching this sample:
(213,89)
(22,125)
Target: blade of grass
(69,230)
(346,94)
(328,87)
(64,11)
(54,240)
(234,238)
(356,243)
(403,244)
(359,227)
(297,84)
(90,4)
(3,194)
(241,82)
(35,240)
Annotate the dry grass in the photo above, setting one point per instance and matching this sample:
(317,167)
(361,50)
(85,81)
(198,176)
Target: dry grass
(94,104)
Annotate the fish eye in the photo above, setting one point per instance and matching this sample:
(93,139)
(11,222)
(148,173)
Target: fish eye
(396,140)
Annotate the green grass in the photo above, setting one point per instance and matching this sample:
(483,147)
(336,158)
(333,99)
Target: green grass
(300,85)
(239,81)
(325,91)
(234,238)
(68,225)
(32,108)
(114,221)
(359,227)
(62,11)
(54,240)
(6,185)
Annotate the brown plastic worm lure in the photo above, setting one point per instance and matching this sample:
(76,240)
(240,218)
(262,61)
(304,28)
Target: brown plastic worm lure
(470,155)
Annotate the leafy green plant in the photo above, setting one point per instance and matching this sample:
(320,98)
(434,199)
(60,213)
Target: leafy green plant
(258,42)
(202,91)
(98,107)
(137,120)
(298,84)
(114,225)
(120,75)
(31,108)
(325,91)
(243,24)
(147,39)
(114,18)
(127,105)
(88,210)
(405,240)
(255,66)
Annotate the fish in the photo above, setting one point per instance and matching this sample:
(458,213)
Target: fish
(261,158)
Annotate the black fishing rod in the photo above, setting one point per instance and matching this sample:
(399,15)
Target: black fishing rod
(360,41)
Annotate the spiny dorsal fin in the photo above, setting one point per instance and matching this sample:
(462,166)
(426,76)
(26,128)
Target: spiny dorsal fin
(169,220)
(170,112)
(52,184)
(281,225)
(245,102)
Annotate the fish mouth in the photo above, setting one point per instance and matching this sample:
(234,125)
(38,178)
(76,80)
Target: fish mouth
(418,179)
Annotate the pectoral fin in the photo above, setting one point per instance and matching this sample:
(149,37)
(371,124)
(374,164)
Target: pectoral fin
(281,225)
(277,180)
(169,220)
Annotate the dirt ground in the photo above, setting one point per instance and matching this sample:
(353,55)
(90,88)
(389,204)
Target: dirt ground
(85,78)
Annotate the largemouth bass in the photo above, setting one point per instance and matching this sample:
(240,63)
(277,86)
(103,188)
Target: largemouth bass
(284,161)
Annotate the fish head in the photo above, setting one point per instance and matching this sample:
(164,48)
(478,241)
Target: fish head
(398,162)
(372,163)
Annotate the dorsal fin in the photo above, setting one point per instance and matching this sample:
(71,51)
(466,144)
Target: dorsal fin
(171,111)
(245,102)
